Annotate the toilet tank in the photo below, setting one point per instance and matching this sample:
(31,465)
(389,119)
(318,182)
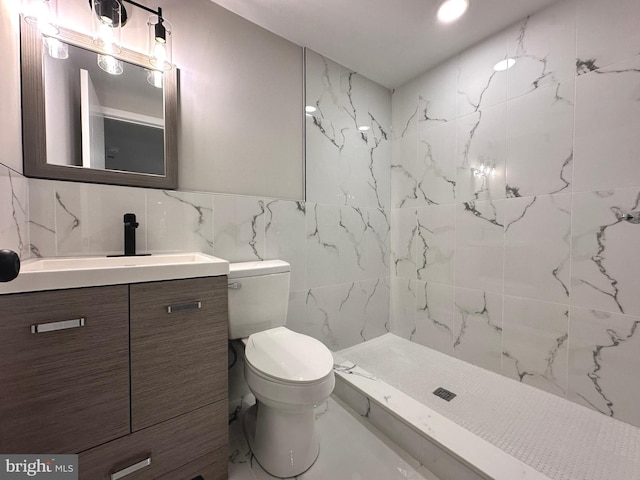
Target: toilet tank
(258,296)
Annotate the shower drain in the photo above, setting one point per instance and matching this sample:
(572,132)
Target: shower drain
(444,394)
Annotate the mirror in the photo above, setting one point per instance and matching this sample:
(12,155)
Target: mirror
(82,123)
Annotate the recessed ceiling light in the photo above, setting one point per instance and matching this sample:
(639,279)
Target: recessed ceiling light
(505,64)
(451,10)
(364,128)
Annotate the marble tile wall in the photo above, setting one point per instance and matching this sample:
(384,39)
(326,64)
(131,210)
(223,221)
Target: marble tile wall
(507,189)
(337,243)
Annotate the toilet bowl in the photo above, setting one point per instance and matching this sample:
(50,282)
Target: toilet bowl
(288,373)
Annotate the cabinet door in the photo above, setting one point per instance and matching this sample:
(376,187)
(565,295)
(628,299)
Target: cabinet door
(178,347)
(171,446)
(64,369)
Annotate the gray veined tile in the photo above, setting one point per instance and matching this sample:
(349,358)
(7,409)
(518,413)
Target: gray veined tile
(479,246)
(437,95)
(405,172)
(89,218)
(14,212)
(479,85)
(477,329)
(604,363)
(239,228)
(540,141)
(405,242)
(605,259)
(179,221)
(42,218)
(435,243)
(534,349)
(480,154)
(404,109)
(606,33)
(607,122)
(537,247)
(434,316)
(436,164)
(285,237)
(543,46)
(403,307)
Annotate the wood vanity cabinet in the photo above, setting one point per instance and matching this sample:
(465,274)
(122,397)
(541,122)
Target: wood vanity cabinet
(133,378)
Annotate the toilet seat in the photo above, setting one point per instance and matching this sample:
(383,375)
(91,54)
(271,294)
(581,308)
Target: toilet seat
(287,357)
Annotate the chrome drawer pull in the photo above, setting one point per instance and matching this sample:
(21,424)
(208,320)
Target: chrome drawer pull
(186,306)
(234,285)
(53,326)
(133,468)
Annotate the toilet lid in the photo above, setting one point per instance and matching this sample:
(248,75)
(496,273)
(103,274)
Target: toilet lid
(288,356)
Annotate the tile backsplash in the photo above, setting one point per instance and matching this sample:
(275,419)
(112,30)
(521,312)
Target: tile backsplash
(508,250)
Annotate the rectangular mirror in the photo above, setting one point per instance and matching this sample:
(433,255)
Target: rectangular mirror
(96,118)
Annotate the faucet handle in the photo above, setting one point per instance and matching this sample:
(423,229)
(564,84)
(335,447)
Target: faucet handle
(130,220)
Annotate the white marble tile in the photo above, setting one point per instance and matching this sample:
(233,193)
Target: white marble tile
(477,330)
(403,307)
(404,242)
(540,141)
(238,228)
(607,123)
(326,252)
(89,218)
(436,239)
(605,258)
(480,245)
(606,32)
(534,348)
(481,153)
(347,314)
(538,247)
(543,46)
(436,164)
(297,312)
(479,85)
(404,109)
(604,363)
(434,316)
(375,243)
(285,237)
(42,217)
(437,94)
(14,212)
(179,222)
(405,173)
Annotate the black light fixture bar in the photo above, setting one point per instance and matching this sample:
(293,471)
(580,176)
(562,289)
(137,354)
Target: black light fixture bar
(150,10)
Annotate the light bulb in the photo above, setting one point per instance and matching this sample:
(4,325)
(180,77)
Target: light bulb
(111,65)
(159,54)
(451,10)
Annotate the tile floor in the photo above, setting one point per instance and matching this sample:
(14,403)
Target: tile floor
(350,449)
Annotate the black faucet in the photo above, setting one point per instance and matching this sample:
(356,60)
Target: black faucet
(130,226)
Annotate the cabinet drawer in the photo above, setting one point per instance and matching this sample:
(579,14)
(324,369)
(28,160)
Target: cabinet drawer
(168,445)
(178,338)
(64,381)
(213,466)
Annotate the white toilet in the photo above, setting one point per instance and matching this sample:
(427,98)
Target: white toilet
(288,373)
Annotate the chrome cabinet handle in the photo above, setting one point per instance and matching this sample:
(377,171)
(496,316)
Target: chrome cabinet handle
(185,306)
(53,326)
(133,468)
(234,285)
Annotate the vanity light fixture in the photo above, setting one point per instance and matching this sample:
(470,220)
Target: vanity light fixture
(56,49)
(505,64)
(41,14)
(110,64)
(154,77)
(451,10)
(109,16)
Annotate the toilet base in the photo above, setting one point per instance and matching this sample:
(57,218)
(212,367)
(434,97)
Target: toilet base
(284,442)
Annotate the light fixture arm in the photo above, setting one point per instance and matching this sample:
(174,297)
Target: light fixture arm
(150,10)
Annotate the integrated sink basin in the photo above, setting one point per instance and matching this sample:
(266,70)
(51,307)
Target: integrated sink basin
(58,273)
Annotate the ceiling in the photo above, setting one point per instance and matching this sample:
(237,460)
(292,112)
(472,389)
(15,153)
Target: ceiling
(388,41)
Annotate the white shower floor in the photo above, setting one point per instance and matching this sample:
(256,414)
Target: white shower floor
(554,436)
(350,449)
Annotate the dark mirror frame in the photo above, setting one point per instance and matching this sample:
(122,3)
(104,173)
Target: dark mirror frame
(34,129)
